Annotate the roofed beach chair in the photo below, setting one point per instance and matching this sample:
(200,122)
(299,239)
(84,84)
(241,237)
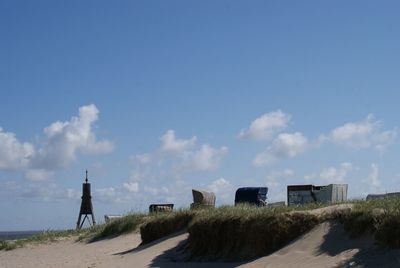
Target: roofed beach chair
(202,199)
(252,195)
(161,208)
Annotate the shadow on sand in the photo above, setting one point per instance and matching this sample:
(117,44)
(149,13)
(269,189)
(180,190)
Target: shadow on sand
(369,253)
(335,241)
(149,245)
(175,257)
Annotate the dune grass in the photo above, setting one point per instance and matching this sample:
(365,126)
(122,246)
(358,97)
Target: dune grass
(244,232)
(377,217)
(230,232)
(46,236)
(116,227)
(159,225)
(237,233)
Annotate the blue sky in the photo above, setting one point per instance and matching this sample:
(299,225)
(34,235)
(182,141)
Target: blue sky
(157,97)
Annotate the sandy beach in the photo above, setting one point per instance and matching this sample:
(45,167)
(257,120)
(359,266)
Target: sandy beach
(327,245)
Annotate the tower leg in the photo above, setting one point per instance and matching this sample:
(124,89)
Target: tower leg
(93,220)
(83,221)
(79,222)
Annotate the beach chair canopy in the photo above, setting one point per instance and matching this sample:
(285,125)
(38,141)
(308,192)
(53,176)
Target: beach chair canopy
(203,197)
(251,195)
(161,207)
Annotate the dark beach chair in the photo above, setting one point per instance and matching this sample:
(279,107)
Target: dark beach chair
(252,195)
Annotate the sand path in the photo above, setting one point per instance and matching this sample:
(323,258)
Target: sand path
(327,245)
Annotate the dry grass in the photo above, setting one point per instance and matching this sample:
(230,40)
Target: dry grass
(378,217)
(244,232)
(236,233)
(159,225)
(46,236)
(115,227)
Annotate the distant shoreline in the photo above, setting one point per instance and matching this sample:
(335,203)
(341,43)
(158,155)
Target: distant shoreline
(15,235)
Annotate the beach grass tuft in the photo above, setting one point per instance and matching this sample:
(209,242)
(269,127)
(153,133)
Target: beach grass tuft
(45,236)
(377,217)
(159,225)
(244,232)
(116,227)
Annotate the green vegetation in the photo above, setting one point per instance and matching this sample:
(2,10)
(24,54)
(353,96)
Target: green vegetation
(244,232)
(46,236)
(378,217)
(4,245)
(159,225)
(236,233)
(115,227)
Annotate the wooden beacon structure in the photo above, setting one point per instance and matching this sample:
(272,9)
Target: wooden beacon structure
(86,205)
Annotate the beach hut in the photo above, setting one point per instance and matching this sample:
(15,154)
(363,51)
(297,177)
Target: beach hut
(202,199)
(306,194)
(161,208)
(383,196)
(252,195)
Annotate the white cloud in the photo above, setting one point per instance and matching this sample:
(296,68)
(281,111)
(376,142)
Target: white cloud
(38,174)
(219,185)
(14,155)
(331,174)
(336,175)
(171,144)
(188,156)
(286,145)
(275,177)
(65,139)
(363,134)
(162,190)
(223,190)
(206,158)
(266,126)
(142,159)
(373,182)
(47,192)
(108,194)
(132,187)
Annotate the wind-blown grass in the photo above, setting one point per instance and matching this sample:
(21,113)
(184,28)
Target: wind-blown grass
(46,236)
(116,227)
(159,225)
(230,232)
(244,232)
(239,232)
(378,217)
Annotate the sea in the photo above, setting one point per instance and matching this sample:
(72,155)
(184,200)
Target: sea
(13,235)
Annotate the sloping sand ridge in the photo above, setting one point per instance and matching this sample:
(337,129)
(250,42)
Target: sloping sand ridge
(327,245)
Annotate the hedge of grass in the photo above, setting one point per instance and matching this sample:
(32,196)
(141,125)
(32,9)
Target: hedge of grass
(116,227)
(380,218)
(242,233)
(159,225)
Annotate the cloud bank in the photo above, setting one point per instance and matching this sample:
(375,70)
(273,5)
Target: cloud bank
(60,146)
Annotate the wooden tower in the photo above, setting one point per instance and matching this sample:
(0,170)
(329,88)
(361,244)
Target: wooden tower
(86,205)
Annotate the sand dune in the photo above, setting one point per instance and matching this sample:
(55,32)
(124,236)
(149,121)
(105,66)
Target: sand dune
(327,245)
